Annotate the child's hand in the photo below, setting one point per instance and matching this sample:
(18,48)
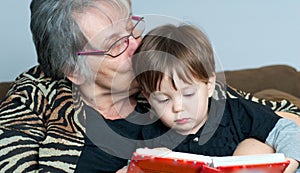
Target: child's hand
(123,170)
(163,149)
(294,164)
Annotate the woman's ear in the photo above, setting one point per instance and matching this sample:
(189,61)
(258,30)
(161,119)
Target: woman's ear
(76,79)
(145,95)
(211,84)
(152,112)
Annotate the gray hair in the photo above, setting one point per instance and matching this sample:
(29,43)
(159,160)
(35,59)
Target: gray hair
(58,38)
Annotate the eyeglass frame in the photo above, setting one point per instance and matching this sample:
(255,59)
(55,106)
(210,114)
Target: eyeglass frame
(101,52)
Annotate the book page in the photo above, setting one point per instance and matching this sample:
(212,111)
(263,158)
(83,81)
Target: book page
(248,159)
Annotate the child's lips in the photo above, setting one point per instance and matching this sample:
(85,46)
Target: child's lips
(182,120)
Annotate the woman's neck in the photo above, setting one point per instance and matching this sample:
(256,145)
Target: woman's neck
(110,105)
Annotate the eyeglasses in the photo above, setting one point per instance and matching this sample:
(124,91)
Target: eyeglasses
(119,46)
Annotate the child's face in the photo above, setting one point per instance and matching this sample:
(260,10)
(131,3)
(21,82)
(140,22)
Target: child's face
(185,109)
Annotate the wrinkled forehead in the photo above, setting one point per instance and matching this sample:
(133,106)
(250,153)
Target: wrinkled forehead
(102,18)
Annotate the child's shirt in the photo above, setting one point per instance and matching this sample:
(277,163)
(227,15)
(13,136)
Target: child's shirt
(229,122)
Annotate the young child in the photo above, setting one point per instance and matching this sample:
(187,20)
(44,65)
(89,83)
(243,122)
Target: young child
(175,67)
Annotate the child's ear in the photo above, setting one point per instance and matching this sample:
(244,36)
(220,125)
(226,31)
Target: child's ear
(76,79)
(211,85)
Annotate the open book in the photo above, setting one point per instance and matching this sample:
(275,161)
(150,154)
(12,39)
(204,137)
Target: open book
(156,160)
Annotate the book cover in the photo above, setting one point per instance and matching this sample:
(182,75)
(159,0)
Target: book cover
(166,161)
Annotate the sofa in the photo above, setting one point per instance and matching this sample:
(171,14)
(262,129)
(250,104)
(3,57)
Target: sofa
(4,86)
(274,82)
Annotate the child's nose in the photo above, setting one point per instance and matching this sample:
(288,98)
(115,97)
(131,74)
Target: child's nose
(177,105)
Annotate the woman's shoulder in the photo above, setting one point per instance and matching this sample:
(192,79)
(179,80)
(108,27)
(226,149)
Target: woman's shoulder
(34,82)
(37,92)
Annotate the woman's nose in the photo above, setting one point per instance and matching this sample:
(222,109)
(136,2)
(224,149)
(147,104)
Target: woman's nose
(133,45)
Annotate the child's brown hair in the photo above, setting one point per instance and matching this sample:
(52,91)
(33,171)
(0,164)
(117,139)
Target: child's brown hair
(183,49)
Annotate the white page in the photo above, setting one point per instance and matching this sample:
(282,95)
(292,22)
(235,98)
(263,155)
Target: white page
(248,159)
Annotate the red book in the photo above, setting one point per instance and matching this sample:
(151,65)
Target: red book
(162,161)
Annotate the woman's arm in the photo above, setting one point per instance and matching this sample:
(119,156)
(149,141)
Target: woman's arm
(252,146)
(285,138)
(21,131)
(290,116)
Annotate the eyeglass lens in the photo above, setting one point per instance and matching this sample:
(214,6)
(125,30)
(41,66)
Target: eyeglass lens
(118,47)
(122,44)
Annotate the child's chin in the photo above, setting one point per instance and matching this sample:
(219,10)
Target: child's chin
(184,131)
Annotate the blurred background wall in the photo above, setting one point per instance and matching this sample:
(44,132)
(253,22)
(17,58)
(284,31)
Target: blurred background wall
(244,33)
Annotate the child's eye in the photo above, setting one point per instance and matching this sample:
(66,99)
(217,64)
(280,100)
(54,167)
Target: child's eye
(163,100)
(189,94)
(191,91)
